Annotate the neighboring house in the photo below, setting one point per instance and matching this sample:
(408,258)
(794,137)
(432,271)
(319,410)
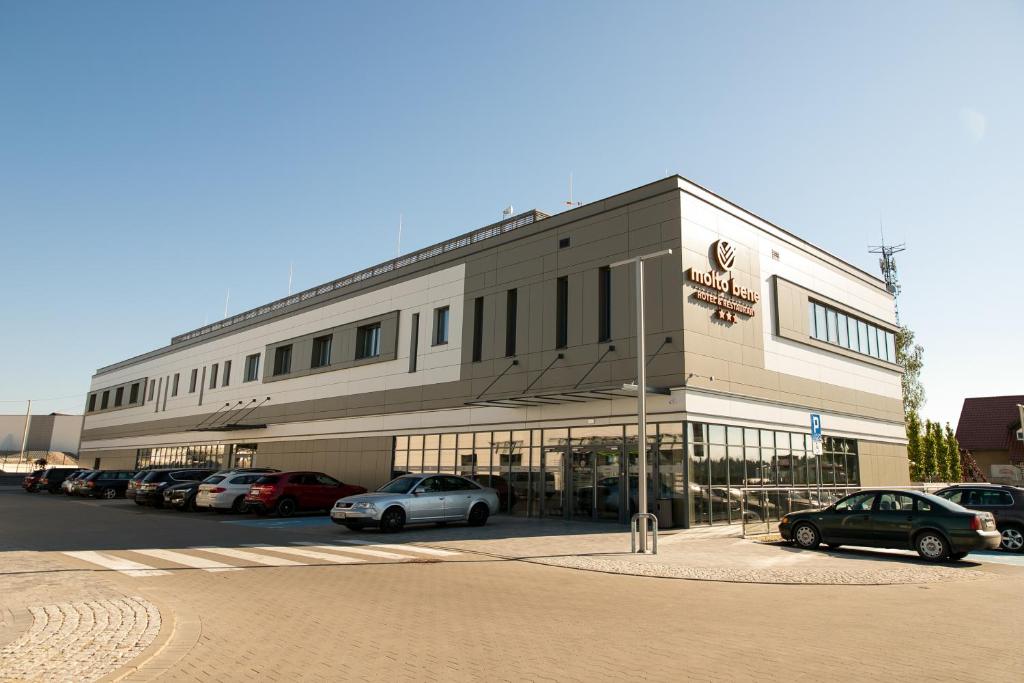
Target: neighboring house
(988,430)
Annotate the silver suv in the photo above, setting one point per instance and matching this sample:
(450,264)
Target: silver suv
(418,499)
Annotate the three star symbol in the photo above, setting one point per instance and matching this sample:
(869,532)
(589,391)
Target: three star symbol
(726,315)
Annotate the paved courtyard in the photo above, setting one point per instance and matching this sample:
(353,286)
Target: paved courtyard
(105,590)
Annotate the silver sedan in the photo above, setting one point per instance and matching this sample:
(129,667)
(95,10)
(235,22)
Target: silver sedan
(418,499)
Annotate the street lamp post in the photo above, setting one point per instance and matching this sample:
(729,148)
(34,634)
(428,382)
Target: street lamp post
(641,387)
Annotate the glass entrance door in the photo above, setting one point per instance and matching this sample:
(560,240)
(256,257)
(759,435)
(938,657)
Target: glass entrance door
(582,482)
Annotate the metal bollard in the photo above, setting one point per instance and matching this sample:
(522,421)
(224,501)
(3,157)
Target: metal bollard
(634,529)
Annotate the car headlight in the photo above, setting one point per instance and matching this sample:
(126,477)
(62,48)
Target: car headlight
(364,506)
(785,519)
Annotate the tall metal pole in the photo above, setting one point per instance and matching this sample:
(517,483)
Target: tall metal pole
(24,436)
(641,402)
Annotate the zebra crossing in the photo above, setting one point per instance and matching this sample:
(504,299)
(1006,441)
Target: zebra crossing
(145,562)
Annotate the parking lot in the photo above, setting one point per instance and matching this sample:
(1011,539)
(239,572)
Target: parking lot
(203,596)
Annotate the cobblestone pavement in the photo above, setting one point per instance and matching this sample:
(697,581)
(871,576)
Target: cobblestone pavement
(80,641)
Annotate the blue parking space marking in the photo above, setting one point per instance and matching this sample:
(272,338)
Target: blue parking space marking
(281,523)
(998,557)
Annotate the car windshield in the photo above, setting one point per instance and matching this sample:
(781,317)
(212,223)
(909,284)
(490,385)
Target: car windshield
(400,485)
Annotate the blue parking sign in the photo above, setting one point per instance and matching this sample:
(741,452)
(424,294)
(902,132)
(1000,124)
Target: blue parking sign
(815,427)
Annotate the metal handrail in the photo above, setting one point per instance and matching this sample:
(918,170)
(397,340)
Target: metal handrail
(634,530)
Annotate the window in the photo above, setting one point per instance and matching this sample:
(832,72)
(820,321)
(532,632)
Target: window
(252,367)
(833,337)
(604,304)
(174,386)
(872,341)
(478,328)
(414,341)
(213,375)
(133,395)
(890,345)
(321,351)
(562,313)
(989,498)
(226,380)
(152,389)
(953,496)
(844,329)
(118,396)
(282,360)
(854,338)
(819,322)
(895,502)
(92,402)
(368,341)
(511,317)
(325,480)
(192,381)
(564,242)
(923,505)
(441,325)
(829,325)
(860,502)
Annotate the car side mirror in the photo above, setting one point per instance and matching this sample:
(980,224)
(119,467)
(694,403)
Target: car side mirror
(419,490)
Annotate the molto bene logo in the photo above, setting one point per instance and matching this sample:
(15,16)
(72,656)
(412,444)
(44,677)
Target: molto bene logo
(720,289)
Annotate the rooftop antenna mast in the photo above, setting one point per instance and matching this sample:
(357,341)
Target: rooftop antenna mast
(571,204)
(887,262)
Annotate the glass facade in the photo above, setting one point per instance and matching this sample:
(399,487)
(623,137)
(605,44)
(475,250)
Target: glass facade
(829,325)
(699,473)
(214,456)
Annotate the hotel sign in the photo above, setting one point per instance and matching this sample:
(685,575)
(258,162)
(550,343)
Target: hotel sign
(721,289)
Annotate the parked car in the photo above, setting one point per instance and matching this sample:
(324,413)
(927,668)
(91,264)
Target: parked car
(133,483)
(67,485)
(31,481)
(1006,503)
(226,490)
(935,527)
(104,483)
(285,493)
(416,499)
(181,497)
(54,477)
(150,490)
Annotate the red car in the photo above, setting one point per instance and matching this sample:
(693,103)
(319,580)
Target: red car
(31,481)
(285,493)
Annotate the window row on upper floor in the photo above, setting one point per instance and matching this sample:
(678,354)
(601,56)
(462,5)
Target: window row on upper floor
(832,326)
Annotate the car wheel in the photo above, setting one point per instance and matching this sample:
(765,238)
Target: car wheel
(239,505)
(806,536)
(1012,540)
(932,546)
(956,557)
(285,507)
(354,526)
(392,520)
(478,515)
(109,494)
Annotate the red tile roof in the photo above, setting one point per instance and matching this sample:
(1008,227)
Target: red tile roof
(990,423)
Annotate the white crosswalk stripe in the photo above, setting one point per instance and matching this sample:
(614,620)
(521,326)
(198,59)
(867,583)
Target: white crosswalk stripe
(400,546)
(302,552)
(188,560)
(253,558)
(356,551)
(120,564)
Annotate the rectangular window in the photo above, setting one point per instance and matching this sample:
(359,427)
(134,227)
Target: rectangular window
(872,341)
(192,381)
(92,402)
(118,397)
(282,360)
(226,380)
(252,367)
(174,387)
(152,389)
(511,317)
(441,325)
(890,345)
(414,341)
(478,328)
(604,304)
(832,335)
(862,334)
(105,401)
(321,352)
(133,395)
(819,322)
(562,313)
(368,341)
(213,375)
(810,320)
(854,339)
(844,328)
(829,325)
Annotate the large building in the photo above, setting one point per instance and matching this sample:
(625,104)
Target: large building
(503,353)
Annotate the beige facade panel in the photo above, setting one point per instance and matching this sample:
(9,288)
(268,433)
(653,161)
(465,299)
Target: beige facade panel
(883,464)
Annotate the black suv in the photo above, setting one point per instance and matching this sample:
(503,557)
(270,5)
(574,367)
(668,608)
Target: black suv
(150,491)
(1006,503)
(54,477)
(105,483)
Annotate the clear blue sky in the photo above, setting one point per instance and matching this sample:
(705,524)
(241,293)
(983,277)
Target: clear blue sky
(154,155)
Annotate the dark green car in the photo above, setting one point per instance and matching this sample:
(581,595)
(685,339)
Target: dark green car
(935,527)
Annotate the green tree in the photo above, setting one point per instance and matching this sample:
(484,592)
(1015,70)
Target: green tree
(914,454)
(929,463)
(942,464)
(911,357)
(953,455)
